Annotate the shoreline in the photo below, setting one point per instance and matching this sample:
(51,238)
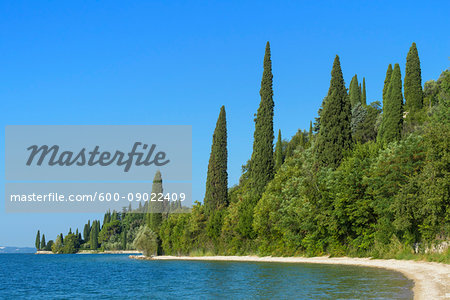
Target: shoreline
(431,280)
(95,252)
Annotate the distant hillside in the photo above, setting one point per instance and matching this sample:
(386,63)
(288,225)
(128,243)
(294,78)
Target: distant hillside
(4,250)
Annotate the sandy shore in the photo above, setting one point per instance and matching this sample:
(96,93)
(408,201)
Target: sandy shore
(97,252)
(431,280)
(110,252)
(43,252)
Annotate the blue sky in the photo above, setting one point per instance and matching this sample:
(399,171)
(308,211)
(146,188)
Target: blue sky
(177,62)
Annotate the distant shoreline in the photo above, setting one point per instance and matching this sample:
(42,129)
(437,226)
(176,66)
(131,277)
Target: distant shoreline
(96,252)
(431,280)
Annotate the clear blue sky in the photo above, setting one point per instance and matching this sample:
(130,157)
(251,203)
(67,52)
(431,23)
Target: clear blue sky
(177,62)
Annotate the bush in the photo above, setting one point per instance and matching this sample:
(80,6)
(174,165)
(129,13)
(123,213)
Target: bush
(146,241)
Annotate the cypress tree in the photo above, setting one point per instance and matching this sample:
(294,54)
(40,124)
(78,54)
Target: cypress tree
(278,152)
(310,131)
(124,239)
(354,91)
(37,243)
(363,94)
(107,217)
(386,82)
(43,243)
(94,235)
(156,208)
(261,163)
(392,121)
(335,135)
(216,195)
(413,81)
(86,231)
(114,216)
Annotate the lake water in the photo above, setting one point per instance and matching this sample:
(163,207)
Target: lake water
(117,277)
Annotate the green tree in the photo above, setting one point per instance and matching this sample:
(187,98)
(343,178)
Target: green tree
(156,208)
(413,81)
(94,235)
(87,230)
(71,244)
(108,230)
(392,120)
(354,91)
(114,216)
(261,164)
(49,245)
(57,246)
(387,80)
(43,244)
(37,244)
(294,144)
(363,94)
(364,122)
(279,152)
(146,241)
(310,135)
(335,136)
(216,195)
(107,217)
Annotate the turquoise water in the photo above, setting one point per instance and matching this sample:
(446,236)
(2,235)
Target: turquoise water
(117,277)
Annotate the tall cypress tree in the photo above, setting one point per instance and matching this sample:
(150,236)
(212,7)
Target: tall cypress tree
(37,243)
(216,195)
(94,235)
(310,134)
(43,243)
(386,82)
(261,163)
(98,228)
(86,231)
(392,121)
(156,208)
(354,92)
(335,135)
(278,152)
(363,94)
(413,81)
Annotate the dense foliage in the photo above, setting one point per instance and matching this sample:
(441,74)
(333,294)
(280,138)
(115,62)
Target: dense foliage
(354,93)
(413,81)
(342,191)
(392,121)
(335,136)
(361,185)
(216,195)
(261,163)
